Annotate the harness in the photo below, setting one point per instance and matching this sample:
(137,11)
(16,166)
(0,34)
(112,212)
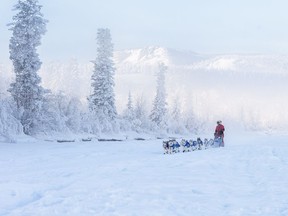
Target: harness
(187,144)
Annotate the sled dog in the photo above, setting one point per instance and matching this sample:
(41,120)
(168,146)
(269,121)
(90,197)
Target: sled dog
(171,146)
(186,145)
(200,143)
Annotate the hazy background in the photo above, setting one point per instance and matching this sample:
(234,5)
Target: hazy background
(206,26)
(229,59)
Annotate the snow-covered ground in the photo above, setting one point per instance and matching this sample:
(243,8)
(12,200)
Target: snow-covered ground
(247,177)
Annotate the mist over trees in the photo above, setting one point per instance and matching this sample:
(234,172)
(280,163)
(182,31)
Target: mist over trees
(39,111)
(159,111)
(83,98)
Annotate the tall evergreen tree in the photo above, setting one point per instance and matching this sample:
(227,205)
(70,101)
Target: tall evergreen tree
(129,112)
(102,99)
(128,115)
(176,111)
(158,114)
(28,26)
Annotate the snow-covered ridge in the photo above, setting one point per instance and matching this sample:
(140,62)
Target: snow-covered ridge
(148,55)
(134,60)
(276,64)
(153,55)
(146,60)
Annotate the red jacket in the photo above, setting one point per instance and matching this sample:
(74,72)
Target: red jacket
(219,131)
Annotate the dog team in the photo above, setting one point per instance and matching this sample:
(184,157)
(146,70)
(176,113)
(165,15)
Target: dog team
(173,146)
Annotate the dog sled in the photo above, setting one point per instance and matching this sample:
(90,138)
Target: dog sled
(218,142)
(173,146)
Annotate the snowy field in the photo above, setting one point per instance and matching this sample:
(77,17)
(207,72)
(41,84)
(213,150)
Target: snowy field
(247,177)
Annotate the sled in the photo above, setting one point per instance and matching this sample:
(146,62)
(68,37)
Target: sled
(218,142)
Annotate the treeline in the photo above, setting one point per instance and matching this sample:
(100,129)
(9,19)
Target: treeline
(32,109)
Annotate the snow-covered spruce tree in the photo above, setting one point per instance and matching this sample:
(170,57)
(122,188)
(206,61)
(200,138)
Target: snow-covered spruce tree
(102,99)
(28,26)
(159,110)
(129,111)
(128,115)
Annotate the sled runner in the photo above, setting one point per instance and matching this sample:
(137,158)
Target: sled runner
(186,145)
(218,142)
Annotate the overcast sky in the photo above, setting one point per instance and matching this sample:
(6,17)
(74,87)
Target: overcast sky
(203,26)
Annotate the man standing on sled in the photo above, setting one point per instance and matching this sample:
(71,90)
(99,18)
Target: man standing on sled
(219,133)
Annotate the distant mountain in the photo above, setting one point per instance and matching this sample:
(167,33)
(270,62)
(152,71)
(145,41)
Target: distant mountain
(153,55)
(147,59)
(136,60)
(274,64)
